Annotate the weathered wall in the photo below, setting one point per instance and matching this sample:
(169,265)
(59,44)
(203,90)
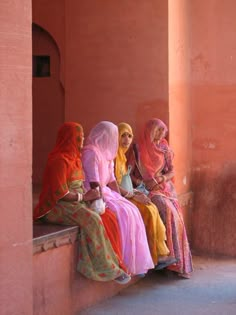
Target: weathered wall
(58,289)
(52,281)
(50,15)
(213,72)
(116,61)
(179,97)
(15,158)
(48,93)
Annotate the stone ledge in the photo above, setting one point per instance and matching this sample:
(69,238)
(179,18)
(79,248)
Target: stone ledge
(48,236)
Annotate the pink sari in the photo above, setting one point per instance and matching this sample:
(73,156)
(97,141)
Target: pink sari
(97,157)
(157,159)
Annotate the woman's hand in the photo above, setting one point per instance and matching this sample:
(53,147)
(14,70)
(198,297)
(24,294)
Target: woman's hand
(92,194)
(161,179)
(151,184)
(142,198)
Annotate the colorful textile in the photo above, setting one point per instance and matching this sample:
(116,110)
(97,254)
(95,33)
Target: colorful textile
(150,155)
(164,196)
(63,165)
(99,258)
(97,156)
(155,228)
(111,226)
(96,257)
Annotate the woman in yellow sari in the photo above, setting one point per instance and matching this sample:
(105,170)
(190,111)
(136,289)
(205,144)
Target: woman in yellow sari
(155,229)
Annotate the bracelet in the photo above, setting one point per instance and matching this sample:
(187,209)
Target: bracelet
(129,194)
(79,197)
(154,179)
(163,178)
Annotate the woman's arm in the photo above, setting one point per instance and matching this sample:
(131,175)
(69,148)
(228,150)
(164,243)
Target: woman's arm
(90,195)
(114,186)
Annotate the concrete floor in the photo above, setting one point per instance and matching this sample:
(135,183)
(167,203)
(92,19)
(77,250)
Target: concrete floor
(211,290)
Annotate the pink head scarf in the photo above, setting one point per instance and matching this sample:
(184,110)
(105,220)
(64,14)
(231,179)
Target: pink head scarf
(103,141)
(104,136)
(151,157)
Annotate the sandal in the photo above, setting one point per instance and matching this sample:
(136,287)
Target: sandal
(123,279)
(165,263)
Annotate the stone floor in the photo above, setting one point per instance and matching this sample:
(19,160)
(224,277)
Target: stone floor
(210,291)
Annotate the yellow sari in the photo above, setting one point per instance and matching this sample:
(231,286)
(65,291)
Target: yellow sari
(155,229)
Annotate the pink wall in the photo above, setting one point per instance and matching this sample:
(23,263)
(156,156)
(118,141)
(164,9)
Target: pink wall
(179,91)
(48,93)
(137,60)
(48,102)
(51,16)
(52,280)
(213,72)
(179,98)
(16,158)
(59,289)
(116,61)
(114,57)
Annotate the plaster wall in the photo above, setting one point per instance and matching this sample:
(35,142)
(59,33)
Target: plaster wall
(15,158)
(116,61)
(213,73)
(52,278)
(179,91)
(50,15)
(48,102)
(58,289)
(179,98)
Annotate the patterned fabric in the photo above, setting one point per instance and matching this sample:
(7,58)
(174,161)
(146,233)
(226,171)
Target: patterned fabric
(155,229)
(99,257)
(63,166)
(165,198)
(99,167)
(96,260)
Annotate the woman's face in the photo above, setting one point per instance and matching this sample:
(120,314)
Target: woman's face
(126,139)
(80,139)
(158,134)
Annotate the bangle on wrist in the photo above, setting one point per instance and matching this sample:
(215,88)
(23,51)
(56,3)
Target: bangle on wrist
(79,197)
(129,194)
(154,179)
(164,178)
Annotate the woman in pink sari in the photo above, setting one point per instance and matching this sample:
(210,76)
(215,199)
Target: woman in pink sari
(155,169)
(98,155)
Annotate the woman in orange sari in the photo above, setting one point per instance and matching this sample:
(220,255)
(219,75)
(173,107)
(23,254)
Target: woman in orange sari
(63,200)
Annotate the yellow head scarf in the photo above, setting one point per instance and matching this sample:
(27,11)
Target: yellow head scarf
(120,161)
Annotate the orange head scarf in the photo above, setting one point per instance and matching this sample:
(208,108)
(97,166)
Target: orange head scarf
(63,166)
(151,157)
(120,162)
